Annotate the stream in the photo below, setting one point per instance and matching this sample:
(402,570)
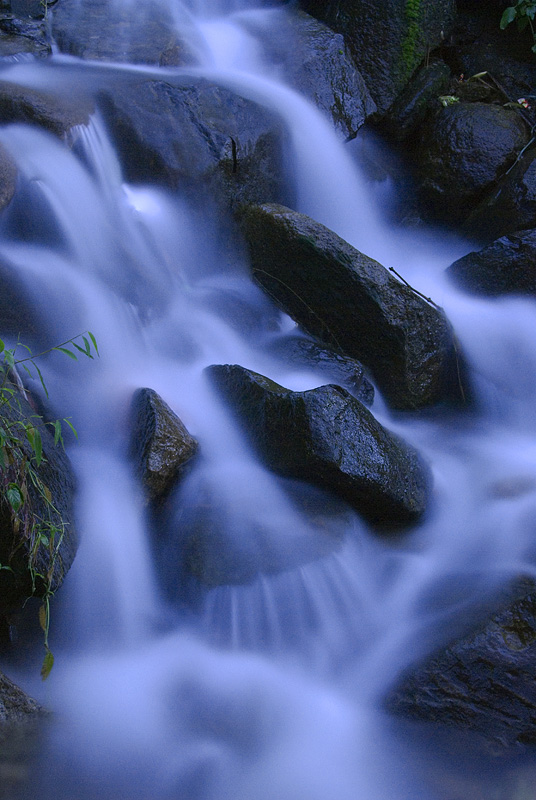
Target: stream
(270,690)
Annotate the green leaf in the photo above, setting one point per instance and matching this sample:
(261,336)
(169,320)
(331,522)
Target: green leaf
(14,497)
(82,350)
(2,346)
(57,432)
(41,379)
(38,447)
(48,663)
(9,358)
(67,352)
(94,342)
(509,15)
(71,426)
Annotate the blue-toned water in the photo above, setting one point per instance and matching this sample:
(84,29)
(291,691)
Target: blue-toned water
(272,689)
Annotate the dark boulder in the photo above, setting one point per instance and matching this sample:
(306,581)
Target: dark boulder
(22,36)
(160,444)
(197,137)
(40,542)
(15,705)
(387,38)
(8,179)
(316,62)
(349,300)
(51,112)
(511,206)
(507,266)
(466,149)
(483,682)
(415,103)
(98,30)
(329,438)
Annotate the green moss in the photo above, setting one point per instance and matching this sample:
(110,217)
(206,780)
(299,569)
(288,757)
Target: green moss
(412,13)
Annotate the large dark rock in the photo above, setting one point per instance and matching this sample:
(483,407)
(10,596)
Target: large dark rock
(348,299)
(21,729)
(388,38)
(24,36)
(415,103)
(328,437)
(466,149)
(160,444)
(55,114)
(8,179)
(483,682)
(507,266)
(315,61)
(99,30)
(15,705)
(198,136)
(40,546)
(511,206)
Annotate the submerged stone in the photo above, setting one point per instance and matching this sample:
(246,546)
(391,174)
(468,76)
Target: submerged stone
(329,438)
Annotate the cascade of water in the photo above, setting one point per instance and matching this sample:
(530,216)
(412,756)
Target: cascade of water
(267,689)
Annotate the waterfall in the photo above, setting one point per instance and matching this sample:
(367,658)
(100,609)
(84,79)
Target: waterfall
(270,689)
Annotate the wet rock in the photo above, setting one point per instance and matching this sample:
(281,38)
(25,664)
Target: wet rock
(465,151)
(328,437)
(387,38)
(98,30)
(316,62)
(44,541)
(26,37)
(507,266)
(160,444)
(197,137)
(15,705)
(346,298)
(55,114)
(346,372)
(8,178)
(416,102)
(511,206)
(483,682)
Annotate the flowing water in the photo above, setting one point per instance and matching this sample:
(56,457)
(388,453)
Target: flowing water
(272,689)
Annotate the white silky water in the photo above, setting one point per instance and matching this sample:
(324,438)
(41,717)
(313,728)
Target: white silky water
(269,690)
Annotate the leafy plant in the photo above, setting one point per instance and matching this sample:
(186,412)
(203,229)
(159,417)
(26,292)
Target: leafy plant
(523,14)
(36,522)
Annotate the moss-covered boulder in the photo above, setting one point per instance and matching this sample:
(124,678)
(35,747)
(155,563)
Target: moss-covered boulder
(329,438)
(351,301)
(39,542)
(387,38)
(161,446)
